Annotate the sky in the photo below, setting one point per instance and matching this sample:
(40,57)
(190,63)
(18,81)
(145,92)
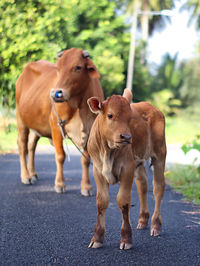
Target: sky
(175,37)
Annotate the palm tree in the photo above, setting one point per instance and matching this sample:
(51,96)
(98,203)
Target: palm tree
(149,22)
(194,8)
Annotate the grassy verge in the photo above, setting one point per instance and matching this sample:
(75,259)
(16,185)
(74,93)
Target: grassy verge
(186,180)
(182,129)
(8,138)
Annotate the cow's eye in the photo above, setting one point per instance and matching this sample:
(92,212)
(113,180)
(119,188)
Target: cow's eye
(78,68)
(110,116)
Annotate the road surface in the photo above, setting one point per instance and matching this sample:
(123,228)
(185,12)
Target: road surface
(40,227)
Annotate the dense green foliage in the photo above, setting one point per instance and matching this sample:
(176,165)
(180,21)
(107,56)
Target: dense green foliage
(39,29)
(175,85)
(31,30)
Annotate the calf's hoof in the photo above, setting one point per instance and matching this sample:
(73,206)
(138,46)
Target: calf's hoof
(34,179)
(143,220)
(155,231)
(142,225)
(60,190)
(86,193)
(26,181)
(125,246)
(94,244)
(156,227)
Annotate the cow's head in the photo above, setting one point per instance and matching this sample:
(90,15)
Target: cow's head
(74,71)
(114,120)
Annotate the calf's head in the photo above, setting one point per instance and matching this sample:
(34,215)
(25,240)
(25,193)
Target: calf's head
(74,70)
(114,120)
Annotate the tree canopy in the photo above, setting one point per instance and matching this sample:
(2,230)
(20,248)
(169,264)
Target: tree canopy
(39,29)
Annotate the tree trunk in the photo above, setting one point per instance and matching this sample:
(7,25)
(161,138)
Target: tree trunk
(145,21)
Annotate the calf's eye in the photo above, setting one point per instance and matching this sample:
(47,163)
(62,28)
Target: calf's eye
(78,68)
(110,116)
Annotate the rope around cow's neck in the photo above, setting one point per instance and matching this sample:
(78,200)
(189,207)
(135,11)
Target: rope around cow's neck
(61,124)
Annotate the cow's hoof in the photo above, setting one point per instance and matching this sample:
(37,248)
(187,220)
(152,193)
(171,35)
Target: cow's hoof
(141,226)
(125,245)
(60,189)
(86,193)
(155,232)
(26,181)
(94,244)
(34,179)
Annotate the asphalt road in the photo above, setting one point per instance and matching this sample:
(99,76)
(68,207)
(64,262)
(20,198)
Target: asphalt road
(40,227)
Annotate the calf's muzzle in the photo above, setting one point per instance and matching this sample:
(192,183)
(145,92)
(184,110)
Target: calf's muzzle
(125,137)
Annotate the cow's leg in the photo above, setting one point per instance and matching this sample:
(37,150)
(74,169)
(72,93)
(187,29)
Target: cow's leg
(86,188)
(102,200)
(124,203)
(22,142)
(142,187)
(60,158)
(32,143)
(158,191)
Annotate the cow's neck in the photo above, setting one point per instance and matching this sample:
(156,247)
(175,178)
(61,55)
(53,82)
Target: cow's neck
(87,119)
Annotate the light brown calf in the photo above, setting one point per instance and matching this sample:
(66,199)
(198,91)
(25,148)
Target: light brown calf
(77,79)
(122,138)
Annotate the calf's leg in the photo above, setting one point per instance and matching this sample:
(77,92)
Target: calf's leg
(142,188)
(86,188)
(124,203)
(158,191)
(32,143)
(102,201)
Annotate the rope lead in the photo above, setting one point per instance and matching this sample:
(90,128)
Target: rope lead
(61,124)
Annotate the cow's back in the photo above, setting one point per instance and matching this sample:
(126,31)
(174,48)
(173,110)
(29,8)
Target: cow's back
(33,95)
(34,73)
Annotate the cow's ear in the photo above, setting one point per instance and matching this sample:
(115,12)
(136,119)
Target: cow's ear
(128,95)
(92,70)
(94,104)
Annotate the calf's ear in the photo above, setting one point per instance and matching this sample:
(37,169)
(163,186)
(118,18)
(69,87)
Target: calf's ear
(94,104)
(128,95)
(92,70)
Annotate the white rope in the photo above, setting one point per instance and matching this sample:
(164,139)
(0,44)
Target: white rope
(61,124)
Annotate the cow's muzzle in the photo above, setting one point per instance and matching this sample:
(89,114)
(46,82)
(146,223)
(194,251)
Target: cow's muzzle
(57,95)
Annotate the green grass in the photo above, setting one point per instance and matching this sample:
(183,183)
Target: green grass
(182,128)
(186,180)
(8,140)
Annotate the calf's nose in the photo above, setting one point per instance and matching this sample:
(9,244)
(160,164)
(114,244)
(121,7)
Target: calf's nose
(125,137)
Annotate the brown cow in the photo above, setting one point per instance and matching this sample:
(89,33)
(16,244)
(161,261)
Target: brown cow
(122,138)
(77,79)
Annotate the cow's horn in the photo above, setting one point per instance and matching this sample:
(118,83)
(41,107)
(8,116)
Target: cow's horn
(60,54)
(86,54)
